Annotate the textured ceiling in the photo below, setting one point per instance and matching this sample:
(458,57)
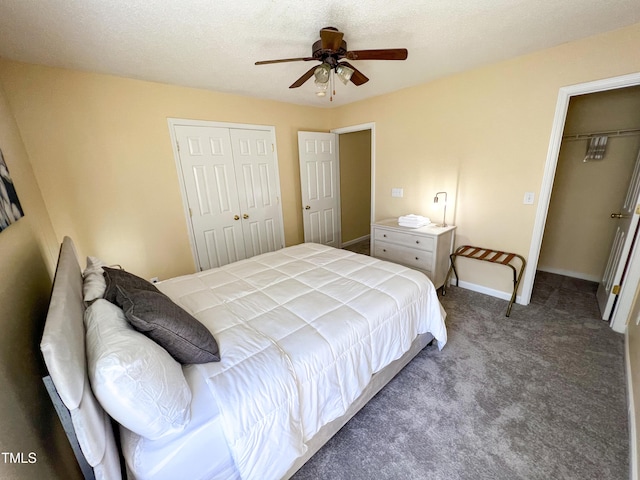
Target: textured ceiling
(214,44)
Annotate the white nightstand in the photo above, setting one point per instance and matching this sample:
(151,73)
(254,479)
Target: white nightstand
(426,249)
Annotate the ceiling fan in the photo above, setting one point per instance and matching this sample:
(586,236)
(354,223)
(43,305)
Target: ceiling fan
(330,50)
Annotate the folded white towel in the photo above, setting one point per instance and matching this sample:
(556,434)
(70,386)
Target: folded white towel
(412,218)
(413,221)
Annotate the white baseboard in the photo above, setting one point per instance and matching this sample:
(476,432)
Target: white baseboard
(633,451)
(356,240)
(569,273)
(488,291)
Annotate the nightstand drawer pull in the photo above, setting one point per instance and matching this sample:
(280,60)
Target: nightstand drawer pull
(417,258)
(384,249)
(417,241)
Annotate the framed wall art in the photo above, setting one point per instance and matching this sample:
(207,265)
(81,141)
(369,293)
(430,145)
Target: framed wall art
(10,208)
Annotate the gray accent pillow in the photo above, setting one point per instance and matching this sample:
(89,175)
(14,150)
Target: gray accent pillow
(116,277)
(158,317)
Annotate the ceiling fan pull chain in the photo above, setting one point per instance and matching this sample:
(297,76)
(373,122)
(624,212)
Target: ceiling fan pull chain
(333,87)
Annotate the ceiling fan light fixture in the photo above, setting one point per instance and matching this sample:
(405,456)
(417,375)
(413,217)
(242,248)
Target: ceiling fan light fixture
(321,88)
(344,73)
(322,73)
(329,50)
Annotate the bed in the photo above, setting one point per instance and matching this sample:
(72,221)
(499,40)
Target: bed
(306,336)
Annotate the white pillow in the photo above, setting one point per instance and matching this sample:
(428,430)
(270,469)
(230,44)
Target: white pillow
(94,284)
(135,380)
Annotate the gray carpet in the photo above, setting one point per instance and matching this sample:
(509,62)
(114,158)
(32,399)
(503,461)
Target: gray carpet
(539,395)
(362,247)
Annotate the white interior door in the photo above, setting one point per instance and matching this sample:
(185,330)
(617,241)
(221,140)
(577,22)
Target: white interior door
(256,178)
(207,165)
(627,219)
(320,187)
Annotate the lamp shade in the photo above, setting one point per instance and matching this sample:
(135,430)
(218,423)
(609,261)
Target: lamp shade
(344,73)
(322,73)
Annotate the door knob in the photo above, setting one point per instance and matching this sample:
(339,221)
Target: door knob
(619,215)
(245,216)
(236,217)
(307,207)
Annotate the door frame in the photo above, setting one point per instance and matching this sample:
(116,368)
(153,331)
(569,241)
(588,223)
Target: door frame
(619,317)
(359,128)
(173,122)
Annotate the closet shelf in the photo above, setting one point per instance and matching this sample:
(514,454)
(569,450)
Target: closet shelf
(609,133)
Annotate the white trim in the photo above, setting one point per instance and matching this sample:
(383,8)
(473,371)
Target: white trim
(569,273)
(474,287)
(544,196)
(633,453)
(359,128)
(209,123)
(173,122)
(336,141)
(357,240)
(183,191)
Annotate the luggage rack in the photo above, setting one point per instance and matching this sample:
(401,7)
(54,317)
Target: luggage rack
(488,255)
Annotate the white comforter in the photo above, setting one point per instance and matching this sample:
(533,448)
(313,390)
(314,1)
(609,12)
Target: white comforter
(301,331)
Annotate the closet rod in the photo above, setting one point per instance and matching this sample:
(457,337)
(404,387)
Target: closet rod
(609,133)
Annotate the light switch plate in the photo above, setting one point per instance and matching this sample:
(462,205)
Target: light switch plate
(397,192)
(529,198)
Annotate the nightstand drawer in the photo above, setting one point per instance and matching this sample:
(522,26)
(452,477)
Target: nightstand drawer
(405,238)
(406,256)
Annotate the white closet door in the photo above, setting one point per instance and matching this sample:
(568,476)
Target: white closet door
(319,187)
(627,223)
(208,170)
(256,179)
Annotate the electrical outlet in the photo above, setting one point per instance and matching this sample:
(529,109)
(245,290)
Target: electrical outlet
(397,192)
(529,198)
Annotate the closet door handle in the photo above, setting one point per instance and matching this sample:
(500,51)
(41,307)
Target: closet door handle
(245,216)
(307,207)
(236,217)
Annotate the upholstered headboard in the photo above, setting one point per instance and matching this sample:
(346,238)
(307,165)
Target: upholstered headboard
(63,348)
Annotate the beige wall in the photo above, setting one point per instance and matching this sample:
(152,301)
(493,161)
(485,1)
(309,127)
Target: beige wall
(483,137)
(579,231)
(28,252)
(355,184)
(102,154)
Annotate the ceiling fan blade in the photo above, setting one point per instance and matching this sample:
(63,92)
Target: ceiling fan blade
(303,78)
(358,78)
(283,60)
(331,39)
(383,54)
